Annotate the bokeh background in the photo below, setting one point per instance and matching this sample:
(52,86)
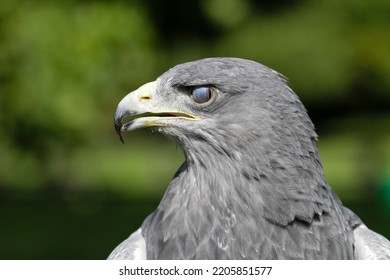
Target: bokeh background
(70,190)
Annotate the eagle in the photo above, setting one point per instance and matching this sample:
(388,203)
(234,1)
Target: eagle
(252,184)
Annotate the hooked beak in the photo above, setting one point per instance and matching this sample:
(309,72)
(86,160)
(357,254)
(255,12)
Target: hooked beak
(145,108)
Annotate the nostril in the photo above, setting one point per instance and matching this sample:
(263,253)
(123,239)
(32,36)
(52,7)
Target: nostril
(144,98)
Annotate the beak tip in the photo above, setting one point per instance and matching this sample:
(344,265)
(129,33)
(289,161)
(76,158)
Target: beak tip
(118,128)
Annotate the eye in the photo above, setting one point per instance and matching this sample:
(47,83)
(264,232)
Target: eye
(201,94)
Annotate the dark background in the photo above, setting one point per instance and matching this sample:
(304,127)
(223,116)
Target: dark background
(70,190)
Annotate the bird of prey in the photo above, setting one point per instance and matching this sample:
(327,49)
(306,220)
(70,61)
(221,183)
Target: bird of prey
(252,185)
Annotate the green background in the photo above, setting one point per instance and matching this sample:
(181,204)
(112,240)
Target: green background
(70,190)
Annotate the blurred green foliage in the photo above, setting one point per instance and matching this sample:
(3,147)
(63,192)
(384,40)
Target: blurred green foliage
(64,66)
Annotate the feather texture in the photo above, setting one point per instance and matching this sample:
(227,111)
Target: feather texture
(252,185)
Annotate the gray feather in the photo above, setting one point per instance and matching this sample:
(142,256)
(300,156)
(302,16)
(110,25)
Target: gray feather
(252,185)
(370,245)
(132,248)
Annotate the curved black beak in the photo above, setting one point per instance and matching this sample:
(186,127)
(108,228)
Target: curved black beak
(143,108)
(118,128)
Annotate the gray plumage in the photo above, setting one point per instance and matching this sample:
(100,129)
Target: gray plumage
(252,185)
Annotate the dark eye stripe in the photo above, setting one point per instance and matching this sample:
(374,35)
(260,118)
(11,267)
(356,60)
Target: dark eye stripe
(201,94)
